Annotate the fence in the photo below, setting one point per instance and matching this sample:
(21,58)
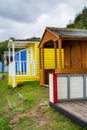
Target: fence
(67,87)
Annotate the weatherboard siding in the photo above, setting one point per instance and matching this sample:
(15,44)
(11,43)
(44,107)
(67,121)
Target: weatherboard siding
(21,79)
(36,51)
(49,59)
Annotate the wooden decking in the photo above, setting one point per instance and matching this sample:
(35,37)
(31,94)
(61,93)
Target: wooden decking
(76,110)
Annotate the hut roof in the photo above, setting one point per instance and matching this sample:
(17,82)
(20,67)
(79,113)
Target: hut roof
(64,32)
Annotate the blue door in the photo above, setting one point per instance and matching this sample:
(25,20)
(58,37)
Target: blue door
(20,59)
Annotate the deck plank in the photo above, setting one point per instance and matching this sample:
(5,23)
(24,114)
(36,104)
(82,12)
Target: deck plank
(75,108)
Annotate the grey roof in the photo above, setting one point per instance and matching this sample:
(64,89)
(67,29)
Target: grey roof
(28,40)
(64,32)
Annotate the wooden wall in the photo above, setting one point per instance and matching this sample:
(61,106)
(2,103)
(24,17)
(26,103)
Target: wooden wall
(75,53)
(84,54)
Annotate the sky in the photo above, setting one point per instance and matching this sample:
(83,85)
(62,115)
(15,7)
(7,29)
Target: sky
(23,19)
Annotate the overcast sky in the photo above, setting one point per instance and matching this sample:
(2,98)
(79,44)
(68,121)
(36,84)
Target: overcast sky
(23,19)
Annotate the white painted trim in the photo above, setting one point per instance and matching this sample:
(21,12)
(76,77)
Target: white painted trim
(12,69)
(31,54)
(19,62)
(13,82)
(9,56)
(22,50)
(13,51)
(51,88)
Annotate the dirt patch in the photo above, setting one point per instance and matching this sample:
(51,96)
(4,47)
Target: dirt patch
(37,114)
(43,121)
(28,114)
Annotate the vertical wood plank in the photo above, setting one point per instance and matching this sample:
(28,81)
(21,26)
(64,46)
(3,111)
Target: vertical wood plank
(60,47)
(40,57)
(55,54)
(42,75)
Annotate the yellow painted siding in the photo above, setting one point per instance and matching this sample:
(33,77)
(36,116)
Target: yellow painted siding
(21,79)
(37,59)
(49,59)
(31,69)
(9,80)
(62,58)
(31,45)
(58,58)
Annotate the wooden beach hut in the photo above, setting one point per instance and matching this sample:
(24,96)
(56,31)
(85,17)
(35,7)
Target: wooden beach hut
(25,62)
(62,50)
(68,82)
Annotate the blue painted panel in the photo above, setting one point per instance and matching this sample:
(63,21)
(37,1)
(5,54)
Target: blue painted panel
(17,67)
(17,57)
(23,65)
(23,55)
(0,66)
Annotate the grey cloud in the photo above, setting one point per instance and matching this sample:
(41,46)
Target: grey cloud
(26,10)
(25,18)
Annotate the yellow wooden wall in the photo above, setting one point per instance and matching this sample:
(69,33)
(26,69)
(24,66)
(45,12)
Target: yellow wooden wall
(35,57)
(49,63)
(49,59)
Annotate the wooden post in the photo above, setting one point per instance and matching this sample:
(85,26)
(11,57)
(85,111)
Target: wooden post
(42,75)
(13,77)
(55,53)
(40,57)
(9,56)
(13,51)
(53,92)
(60,54)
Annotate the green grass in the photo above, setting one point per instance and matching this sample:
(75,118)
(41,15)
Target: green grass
(34,113)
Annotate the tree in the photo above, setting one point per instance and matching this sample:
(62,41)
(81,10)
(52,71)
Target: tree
(80,20)
(3,47)
(34,39)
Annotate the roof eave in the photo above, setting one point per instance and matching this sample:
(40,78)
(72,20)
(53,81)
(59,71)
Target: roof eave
(73,38)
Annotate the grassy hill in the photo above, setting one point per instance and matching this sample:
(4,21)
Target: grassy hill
(32,113)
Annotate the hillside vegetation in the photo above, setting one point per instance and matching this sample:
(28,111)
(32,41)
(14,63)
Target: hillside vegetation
(80,21)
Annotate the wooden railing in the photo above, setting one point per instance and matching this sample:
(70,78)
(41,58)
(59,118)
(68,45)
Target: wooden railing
(67,87)
(22,68)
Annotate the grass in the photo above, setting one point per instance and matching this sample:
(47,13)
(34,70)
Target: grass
(34,113)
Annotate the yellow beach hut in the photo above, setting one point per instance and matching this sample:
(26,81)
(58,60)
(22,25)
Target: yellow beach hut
(23,64)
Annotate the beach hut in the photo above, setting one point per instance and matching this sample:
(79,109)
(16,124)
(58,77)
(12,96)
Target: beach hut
(68,82)
(25,63)
(63,50)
